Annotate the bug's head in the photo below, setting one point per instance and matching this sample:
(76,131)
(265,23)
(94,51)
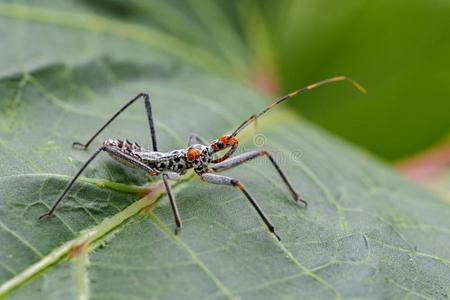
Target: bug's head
(222,143)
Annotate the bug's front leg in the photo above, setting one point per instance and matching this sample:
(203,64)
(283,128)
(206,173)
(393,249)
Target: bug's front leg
(245,157)
(166,176)
(224,180)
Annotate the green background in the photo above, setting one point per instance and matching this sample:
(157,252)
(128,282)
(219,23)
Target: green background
(398,49)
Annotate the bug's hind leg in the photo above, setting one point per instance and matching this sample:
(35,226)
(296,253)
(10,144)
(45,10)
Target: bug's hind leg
(148,107)
(224,180)
(113,152)
(196,139)
(70,184)
(166,176)
(240,159)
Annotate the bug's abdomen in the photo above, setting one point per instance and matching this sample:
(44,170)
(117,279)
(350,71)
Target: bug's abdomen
(129,154)
(174,161)
(124,146)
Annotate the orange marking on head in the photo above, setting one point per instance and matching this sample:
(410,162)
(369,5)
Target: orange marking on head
(233,141)
(227,141)
(193,154)
(219,144)
(224,139)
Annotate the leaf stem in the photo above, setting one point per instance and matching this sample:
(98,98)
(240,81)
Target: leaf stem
(86,238)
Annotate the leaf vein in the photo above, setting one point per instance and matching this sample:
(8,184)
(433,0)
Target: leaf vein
(21,239)
(226,292)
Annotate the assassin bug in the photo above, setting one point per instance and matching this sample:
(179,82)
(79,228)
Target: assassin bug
(198,156)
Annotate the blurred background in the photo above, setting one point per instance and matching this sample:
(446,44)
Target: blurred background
(399,50)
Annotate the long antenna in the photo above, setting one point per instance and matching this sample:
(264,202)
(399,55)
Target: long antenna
(300,91)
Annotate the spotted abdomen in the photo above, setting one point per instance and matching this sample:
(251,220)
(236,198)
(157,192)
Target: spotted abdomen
(123,146)
(174,161)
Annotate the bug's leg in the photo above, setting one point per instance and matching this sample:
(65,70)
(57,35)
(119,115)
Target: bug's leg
(114,152)
(224,180)
(196,139)
(148,107)
(240,159)
(70,184)
(172,176)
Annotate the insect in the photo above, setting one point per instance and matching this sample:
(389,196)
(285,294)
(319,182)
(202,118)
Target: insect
(199,155)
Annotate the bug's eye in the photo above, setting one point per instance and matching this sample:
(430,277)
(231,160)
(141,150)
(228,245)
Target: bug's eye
(220,145)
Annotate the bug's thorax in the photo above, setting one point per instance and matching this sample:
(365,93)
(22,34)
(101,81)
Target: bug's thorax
(199,157)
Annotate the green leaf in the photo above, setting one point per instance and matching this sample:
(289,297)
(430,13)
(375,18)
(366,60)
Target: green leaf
(365,233)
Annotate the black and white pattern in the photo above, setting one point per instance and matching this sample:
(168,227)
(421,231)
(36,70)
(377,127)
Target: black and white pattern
(201,165)
(175,161)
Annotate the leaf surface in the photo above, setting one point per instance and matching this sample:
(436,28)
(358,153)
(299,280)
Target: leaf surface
(365,233)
